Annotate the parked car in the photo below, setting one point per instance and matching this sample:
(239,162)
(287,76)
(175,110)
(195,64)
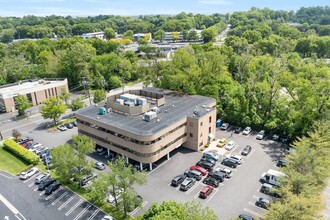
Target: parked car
(213,156)
(193,174)
(229,162)
(28,173)
(74,123)
(177,180)
(260,135)
(206,165)
(222,142)
(210,160)
(224,126)
(230,145)
(247,130)
(41,152)
(211,181)
(246,150)
(281,162)
(205,192)
(238,130)
(115,196)
(41,149)
(23,140)
(100,149)
(217,175)
(187,184)
(263,203)
(237,158)
(46,182)
(245,217)
(62,128)
(107,217)
(269,190)
(199,169)
(228,172)
(41,177)
(34,147)
(68,125)
(99,166)
(88,178)
(51,188)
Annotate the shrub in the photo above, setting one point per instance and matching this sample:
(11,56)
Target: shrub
(21,152)
(207,145)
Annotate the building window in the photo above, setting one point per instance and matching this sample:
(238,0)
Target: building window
(201,134)
(210,130)
(191,124)
(191,134)
(210,119)
(201,143)
(201,123)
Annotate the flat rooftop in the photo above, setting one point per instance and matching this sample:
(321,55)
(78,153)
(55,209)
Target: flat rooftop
(177,106)
(29,86)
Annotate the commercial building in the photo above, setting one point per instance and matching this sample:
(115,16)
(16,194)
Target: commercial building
(146,125)
(35,90)
(99,35)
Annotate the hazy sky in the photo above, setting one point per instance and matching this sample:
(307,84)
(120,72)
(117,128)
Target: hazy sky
(146,7)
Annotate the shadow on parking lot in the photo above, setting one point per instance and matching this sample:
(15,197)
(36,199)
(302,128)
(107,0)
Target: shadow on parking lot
(273,149)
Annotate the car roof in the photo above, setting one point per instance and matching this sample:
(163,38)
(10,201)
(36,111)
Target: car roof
(205,189)
(231,142)
(263,200)
(186,181)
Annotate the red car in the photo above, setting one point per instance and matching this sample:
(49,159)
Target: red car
(205,192)
(199,169)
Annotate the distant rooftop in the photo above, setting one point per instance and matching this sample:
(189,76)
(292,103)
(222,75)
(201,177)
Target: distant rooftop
(29,86)
(177,106)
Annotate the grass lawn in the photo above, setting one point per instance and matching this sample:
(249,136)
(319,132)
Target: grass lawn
(10,163)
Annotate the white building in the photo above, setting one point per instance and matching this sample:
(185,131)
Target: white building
(99,35)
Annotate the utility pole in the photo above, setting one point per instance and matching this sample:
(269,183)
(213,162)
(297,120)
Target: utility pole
(86,88)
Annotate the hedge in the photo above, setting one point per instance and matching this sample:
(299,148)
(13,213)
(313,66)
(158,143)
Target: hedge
(21,152)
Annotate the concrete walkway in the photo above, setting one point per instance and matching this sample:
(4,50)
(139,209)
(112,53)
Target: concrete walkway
(326,197)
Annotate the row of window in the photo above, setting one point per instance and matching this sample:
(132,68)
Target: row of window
(129,138)
(130,150)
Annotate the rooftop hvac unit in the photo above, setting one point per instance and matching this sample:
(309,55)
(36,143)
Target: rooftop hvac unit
(120,101)
(148,116)
(142,101)
(155,109)
(102,111)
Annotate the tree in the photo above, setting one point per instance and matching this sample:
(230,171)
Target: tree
(7,36)
(16,134)
(192,35)
(128,35)
(77,104)
(109,33)
(53,109)
(22,103)
(99,96)
(208,35)
(70,159)
(65,96)
(179,211)
(159,35)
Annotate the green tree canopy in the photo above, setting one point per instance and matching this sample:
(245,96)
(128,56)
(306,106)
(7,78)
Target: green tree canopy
(53,108)
(22,103)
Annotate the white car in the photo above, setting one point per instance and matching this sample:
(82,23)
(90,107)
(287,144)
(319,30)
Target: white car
(230,145)
(228,173)
(237,158)
(247,130)
(211,155)
(28,173)
(99,166)
(107,217)
(224,126)
(62,128)
(261,135)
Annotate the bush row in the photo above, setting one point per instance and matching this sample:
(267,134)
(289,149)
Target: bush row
(21,152)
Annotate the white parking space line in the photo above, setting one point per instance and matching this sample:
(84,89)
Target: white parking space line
(35,189)
(31,184)
(212,195)
(28,180)
(196,195)
(256,197)
(53,194)
(192,188)
(82,212)
(67,201)
(94,214)
(43,192)
(252,212)
(250,154)
(138,208)
(74,207)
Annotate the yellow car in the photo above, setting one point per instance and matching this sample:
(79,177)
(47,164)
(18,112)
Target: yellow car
(222,142)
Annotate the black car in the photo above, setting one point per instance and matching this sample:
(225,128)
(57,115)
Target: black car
(206,165)
(176,181)
(238,130)
(211,181)
(74,123)
(51,188)
(46,182)
(229,162)
(246,150)
(210,160)
(217,175)
(281,162)
(262,203)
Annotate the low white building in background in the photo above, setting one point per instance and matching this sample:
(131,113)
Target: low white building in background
(99,35)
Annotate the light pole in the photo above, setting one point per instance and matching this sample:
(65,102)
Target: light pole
(86,88)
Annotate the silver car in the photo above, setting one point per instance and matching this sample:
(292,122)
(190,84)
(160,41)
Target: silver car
(99,166)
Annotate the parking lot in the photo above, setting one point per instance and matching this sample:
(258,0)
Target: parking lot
(234,196)
(33,204)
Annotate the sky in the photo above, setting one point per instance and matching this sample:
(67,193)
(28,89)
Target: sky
(144,7)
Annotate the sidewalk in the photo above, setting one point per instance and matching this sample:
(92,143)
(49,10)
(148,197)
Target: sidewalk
(326,197)
(213,148)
